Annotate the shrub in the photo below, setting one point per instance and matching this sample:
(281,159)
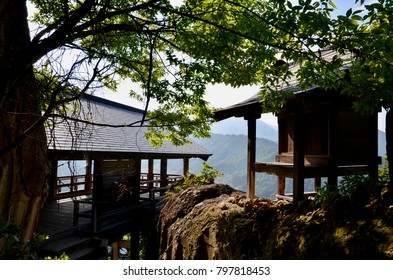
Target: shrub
(207,176)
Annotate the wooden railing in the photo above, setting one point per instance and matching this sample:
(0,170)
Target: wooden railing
(156,185)
(75,185)
(71,186)
(101,211)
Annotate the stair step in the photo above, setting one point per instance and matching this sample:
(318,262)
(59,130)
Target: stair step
(63,244)
(82,253)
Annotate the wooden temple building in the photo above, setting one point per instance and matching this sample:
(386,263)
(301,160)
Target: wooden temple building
(320,135)
(111,196)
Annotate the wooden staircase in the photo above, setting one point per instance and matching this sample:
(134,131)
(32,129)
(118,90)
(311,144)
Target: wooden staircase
(74,244)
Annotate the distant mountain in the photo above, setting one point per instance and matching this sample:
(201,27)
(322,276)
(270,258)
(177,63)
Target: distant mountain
(230,158)
(238,126)
(381,143)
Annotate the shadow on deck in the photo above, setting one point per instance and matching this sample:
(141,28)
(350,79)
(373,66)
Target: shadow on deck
(56,216)
(84,241)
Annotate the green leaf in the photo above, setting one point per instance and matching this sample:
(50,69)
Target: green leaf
(357,17)
(353,22)
(349,12)
(332,4)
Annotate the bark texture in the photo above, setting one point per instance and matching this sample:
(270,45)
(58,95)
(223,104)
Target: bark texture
(23,153)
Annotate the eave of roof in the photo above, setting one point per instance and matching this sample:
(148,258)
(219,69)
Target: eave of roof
(253,105)
(117,139)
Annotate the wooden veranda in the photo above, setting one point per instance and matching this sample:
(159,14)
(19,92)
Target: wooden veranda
(112,195)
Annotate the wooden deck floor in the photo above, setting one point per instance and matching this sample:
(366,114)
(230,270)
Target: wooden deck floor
(57,216)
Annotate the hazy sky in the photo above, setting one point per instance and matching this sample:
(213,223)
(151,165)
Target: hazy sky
(221,95)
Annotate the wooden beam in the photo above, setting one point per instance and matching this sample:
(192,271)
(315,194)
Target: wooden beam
(53,180)
(332,148)
(281,185)
(317,183)
(251,150)
(150,173)
(115,250)
(186,165)
(298,160)
(164,174)
(134,248)
(88,174)
(373,140)
(98,178)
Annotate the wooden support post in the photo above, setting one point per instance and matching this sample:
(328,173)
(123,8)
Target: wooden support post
(317,183)
(88,175)
(373,140)
(115,249)
(251,123)
(332,179)
(134,181)
(75,219)
(186,165)
(134,254)
(298,160)
(163,175)
(97,192)
(164,172)
(281,185)
(53,181)
(150,173)
(98,179)
(138,164)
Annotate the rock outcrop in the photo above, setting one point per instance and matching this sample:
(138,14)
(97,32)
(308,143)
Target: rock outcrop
(210,222)
(218,222)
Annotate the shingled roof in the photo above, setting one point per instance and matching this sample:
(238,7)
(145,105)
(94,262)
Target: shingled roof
(117,138)
(253,104)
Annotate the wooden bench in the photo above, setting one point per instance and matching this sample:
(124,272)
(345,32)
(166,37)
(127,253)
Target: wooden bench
(287,170)
(310,170)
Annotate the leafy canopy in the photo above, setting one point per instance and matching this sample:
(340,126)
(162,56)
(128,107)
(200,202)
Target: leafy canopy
(173,51)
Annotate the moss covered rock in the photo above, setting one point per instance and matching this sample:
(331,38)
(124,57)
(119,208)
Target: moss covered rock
(218,222)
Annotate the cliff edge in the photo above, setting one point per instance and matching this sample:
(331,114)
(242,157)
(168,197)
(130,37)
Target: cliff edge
(218,222)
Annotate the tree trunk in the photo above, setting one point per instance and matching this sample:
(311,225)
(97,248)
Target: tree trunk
(389,144)
(24,168)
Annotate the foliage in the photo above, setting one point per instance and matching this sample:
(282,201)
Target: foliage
(13,247)
(172,52)
(207,176)
(383,175)
(63,257)
(349,184)
(324,193)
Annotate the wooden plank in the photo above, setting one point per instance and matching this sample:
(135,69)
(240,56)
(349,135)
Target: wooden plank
(251,150)
(310,171)
(298,160)
(281,185)
(186,165)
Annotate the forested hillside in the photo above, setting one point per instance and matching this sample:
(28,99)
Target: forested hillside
(238,126)
(230,158)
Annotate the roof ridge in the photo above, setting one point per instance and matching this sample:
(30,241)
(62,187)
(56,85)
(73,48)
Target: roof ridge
(112,103)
